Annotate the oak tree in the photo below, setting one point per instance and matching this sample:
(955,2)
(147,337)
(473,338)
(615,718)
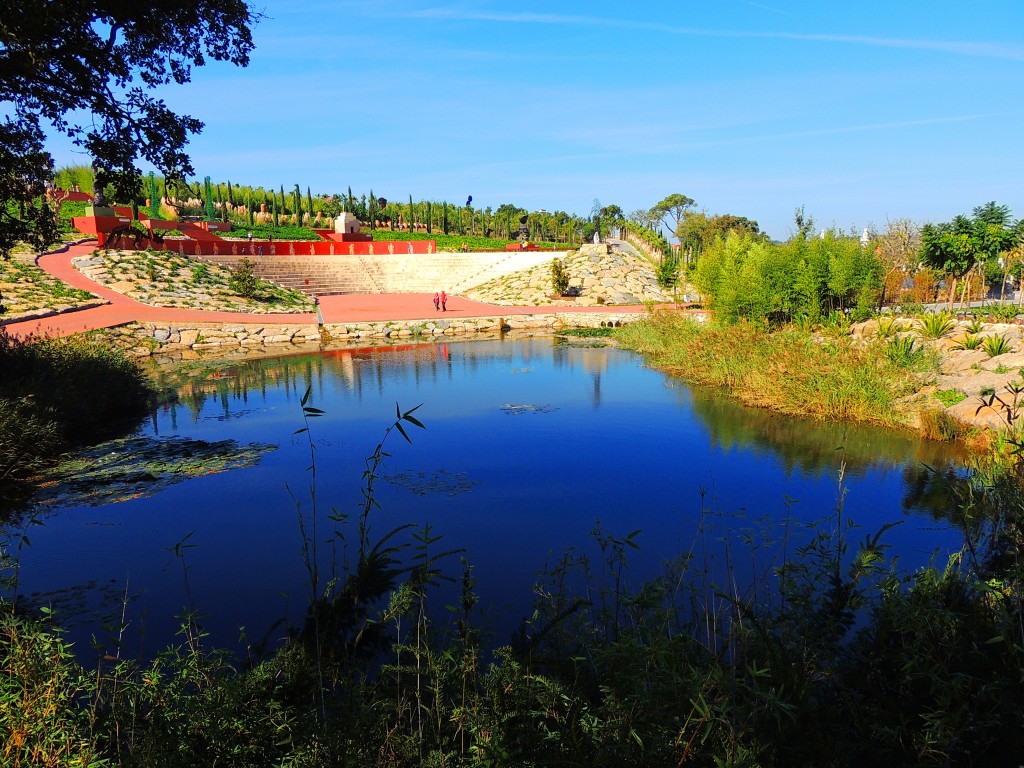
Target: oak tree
(92,71)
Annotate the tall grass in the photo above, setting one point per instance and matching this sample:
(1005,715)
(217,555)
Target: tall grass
(829,657)
(55,393)
(787,370)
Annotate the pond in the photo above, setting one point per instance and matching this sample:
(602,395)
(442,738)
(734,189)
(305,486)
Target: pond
(528,446)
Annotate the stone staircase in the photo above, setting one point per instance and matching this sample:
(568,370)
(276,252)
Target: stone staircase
(387,273)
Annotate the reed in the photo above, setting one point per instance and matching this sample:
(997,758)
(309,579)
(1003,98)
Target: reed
(789,370)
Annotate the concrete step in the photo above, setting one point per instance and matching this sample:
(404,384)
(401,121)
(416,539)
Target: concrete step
(385,273)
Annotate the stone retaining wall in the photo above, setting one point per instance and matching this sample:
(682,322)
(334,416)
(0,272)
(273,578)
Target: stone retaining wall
(155,338)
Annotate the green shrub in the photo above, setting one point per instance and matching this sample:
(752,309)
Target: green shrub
(586,333)
(804,323)
(40,684)
(667,272)
(950,397)
(244,281)
(559,278)
(56,393)
(745,277)
(996,345)
(200,272)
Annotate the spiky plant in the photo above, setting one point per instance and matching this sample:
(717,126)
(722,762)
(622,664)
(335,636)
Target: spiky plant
(996,345)
(970,341)
(936,325)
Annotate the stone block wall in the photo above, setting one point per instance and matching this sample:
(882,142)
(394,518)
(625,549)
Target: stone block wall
(157,338)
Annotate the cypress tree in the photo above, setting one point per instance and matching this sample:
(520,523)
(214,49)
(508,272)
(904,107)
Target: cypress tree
(154,201)
(297,200)
(309,206)
(412,214)
(284,210)
(351,201)
(371,211)
(208,198)
(231,196)
(429,223)
(444,219)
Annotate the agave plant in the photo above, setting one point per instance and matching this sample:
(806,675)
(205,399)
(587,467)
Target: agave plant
(1001,313)
(936,325)
(888,327)
(975,326)
(902,350)
(996,345)
(970,341)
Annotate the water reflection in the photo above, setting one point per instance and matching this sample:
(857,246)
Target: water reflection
(810,446)
(528,444)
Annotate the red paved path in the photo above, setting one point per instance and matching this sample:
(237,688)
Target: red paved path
(347,308)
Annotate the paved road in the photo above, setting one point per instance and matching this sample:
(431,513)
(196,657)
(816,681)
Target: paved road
(347,308)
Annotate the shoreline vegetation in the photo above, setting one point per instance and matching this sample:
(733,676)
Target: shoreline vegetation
(832,657)
(789,370)
(56,394)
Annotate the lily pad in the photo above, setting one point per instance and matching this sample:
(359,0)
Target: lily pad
(513,409)
(91,601)
(133,467)
(440,481)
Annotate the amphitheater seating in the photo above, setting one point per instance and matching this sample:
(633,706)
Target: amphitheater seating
(387,273)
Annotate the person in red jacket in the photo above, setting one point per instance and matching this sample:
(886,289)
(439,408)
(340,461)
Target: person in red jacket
(444,300)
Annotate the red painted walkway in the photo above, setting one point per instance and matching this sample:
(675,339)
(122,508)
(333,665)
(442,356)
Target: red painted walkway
(347,308)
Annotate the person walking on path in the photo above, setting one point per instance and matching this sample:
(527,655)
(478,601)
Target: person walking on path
(444,301)
(437,301)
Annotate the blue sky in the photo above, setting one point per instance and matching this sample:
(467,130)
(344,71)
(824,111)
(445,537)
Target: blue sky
(861,112)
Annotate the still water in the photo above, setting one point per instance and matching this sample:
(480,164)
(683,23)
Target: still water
(528,444)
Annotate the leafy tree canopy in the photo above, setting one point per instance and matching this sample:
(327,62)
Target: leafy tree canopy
(697,230)
(89,70)
(956,247)
(670,210)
